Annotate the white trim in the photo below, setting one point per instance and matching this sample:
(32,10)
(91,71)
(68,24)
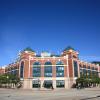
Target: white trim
(89,69)
(49,65)
(51,58)
(49,78)
(12,70)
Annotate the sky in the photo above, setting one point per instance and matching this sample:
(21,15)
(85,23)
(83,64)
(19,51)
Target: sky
(49,25)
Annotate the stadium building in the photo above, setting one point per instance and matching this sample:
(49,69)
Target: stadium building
(45,70)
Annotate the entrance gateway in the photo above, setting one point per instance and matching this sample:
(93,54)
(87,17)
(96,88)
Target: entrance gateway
(48,84)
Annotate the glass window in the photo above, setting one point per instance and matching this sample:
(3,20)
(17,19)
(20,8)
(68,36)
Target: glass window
(15,72)
(75,69)
(92,68)
(89,72)
(81,72)
(97,74)
(21,70)
(84,71)
(48,83)
(84,66)
(36,84)
(48,69)
(60,83)
(80,66)
(88,67)
(36,69)
(59,69)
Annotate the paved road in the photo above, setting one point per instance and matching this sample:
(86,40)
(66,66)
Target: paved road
(63,94)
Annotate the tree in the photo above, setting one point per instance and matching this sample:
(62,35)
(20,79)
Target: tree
(9,79)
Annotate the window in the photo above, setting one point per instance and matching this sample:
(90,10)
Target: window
(93,72)
(60,83)
(15,72)
(75,69)
(81,72)
(21,70)
(88,67)
(97,74)
(84,66)
(48,69)
(89,72)
(84,71)
(36,84)
(59,69)
(48,83)
(36,69)
(92,68)
(80,66)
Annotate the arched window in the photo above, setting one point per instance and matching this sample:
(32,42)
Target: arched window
(22,70)
(75,68)
(59,69)
(36,69)
(48,69)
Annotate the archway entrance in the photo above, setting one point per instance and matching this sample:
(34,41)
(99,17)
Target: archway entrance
(48,84)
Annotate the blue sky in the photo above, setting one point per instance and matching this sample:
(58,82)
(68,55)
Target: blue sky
(49,25)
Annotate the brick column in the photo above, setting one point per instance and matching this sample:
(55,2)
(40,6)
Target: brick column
(70,65)
(42,69)
(65,71)
(26,68)
(31,68)
(54,70)
(54,74)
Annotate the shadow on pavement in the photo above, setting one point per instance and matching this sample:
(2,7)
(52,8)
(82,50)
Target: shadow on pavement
(91,98)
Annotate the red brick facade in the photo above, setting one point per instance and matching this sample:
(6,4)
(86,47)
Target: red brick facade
(67,57)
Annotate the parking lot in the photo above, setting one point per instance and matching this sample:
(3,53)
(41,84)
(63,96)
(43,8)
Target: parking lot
(60,94)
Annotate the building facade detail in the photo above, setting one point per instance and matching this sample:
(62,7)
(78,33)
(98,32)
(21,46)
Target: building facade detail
(45,70)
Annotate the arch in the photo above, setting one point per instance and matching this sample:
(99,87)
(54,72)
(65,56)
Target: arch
(48,63)
(48,69)
(36,63)
(59,63)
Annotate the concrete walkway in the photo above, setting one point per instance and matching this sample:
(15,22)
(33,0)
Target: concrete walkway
(59,94)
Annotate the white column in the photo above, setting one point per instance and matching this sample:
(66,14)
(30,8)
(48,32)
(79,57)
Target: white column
(30,83)
(67,83)
(42,81)
(54,84)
